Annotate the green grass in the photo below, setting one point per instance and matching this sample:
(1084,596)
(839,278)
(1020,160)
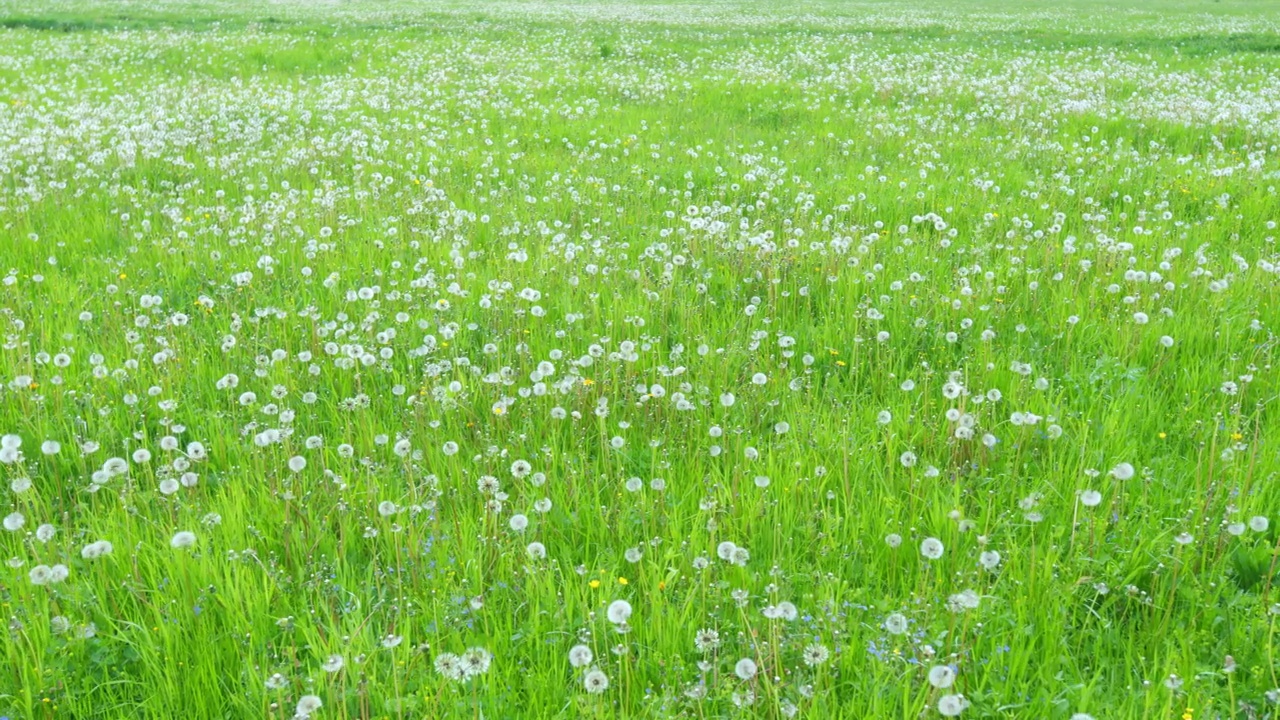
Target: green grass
(724,190)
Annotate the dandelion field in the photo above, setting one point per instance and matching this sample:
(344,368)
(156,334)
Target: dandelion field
(602,360)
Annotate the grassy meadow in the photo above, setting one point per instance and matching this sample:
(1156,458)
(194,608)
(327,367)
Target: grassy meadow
(387,359)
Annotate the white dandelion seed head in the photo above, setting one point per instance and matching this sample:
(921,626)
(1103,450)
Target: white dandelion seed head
(1122,471)
(989,559)
(941,676)
(308,704)
(931,548)
(618,612)
(952,705)
(14,521)
(895,623)
(580,656)
(595,682)
(725,550)
(40,575)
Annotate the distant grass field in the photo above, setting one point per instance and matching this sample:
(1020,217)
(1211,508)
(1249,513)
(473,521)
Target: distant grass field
(614,360)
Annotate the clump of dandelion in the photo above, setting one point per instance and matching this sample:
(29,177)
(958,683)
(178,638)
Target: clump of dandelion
(963,600)
(784,610)
(475,661)
(449,666)
(95,550)
(48,575)
(276,682)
